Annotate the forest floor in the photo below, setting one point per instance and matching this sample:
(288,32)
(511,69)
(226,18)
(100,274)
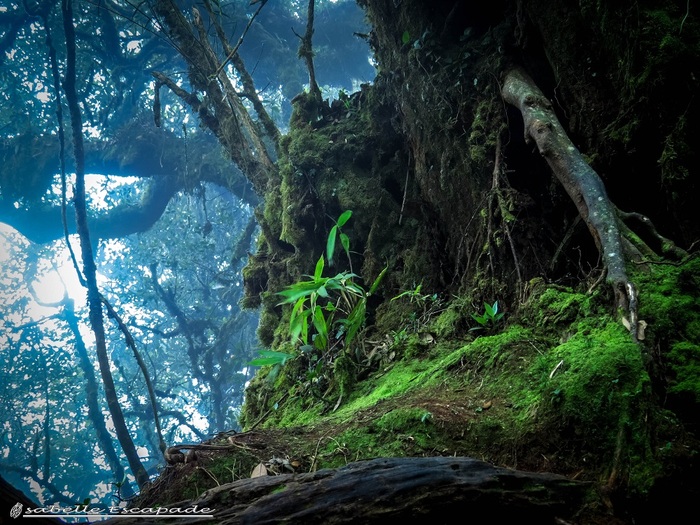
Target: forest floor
(561,388)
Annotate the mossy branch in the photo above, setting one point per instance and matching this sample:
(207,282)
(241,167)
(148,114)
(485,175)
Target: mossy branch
(306,52)
(234,57)
(222,110)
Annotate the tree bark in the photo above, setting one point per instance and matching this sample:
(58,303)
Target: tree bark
(580,181)
(94,411)
(10,496)
(306,52)
(224,112)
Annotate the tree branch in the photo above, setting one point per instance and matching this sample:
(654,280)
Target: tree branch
(227,118)
(583,185)
(306,52)
(89,268)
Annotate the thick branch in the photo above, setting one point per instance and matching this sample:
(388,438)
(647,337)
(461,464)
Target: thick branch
(42,223)
(130,153)
(246,79)
(580,181)
(226,115)
(112,313)
(306,52)
(91,389)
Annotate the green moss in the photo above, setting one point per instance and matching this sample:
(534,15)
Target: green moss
(601,374)
(669,301)
(684,359)
(557,306)
(399,432)
(450,322)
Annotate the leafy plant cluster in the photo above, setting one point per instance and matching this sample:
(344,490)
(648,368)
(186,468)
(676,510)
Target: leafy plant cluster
(489,319)
(428,305)
(327,312)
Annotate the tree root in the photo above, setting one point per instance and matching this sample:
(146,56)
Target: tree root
(666,247)
(580,181)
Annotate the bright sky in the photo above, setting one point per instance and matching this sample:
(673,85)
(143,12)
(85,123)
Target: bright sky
(55,273)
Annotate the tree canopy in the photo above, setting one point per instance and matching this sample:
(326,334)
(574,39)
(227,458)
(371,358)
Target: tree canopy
(170,222)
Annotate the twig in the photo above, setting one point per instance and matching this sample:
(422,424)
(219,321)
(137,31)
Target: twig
(262,418)
(240,40)
(687,12)
(405,187)
(306,52)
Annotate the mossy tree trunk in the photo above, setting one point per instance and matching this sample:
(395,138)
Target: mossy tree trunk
(222,109)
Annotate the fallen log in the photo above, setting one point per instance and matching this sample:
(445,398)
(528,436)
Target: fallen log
(441,489)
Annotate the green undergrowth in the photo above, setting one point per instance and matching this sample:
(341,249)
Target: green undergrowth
(569,392)
(562,388)
(670,304)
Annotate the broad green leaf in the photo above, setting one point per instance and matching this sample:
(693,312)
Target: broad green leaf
(319,269)
(377,281)
(355,321)
(489,309)
(301,289)
(345,241)
(298,323)
(330,245)
(321,340)
(320,321)
(406,37)
(481,319)
(270,357)
(355,289)
(344,217)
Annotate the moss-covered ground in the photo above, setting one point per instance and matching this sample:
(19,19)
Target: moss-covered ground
(560,388)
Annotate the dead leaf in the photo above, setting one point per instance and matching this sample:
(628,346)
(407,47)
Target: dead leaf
(487,405)
(626,323)
(259,471)
(641,326)
(340,399)
(551,374)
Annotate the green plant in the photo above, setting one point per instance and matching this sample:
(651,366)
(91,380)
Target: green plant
(321,302)
(270,358)
(490,317)
(415,295)
(336,232)
(345,99)
(328,309)
(428,306)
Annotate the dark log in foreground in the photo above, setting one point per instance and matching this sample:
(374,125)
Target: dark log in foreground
(442,489)
(11,498)
(580,181)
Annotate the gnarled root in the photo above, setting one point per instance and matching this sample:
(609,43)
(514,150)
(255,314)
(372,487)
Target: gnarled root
(580,181)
